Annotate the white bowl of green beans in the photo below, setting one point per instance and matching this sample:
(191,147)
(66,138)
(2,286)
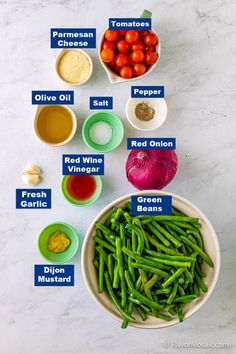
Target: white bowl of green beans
(150,271)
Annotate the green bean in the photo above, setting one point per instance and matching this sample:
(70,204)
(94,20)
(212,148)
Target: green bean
(116,276)
(173,293)
(172,232)
(170,263)
(180,313)
(108,221)
(165,233)
(129,310)
(141,312)
(199,270)
(149,284)
(110,266)
(173,277)
(139,234)
(119,256)
(177,212)
(185,225)
(181,290)
(108,234)
(189,276)
(169,257)
(201,253)
(104,244)
(95,263)
(161,291)
(161,247)
(198,237)
(151,269)
(196,289)
(158,234)
(175,218)
(117,215)
(101,274)
(185,298)
(175,228)
(143,299)
(102,252)
(200,283)
(115,300)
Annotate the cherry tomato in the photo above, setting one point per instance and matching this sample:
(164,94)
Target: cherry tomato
(108,44)
(130,61)
(107,55)
(150,48)
(111,35)
(122,32)
(151,58)
(150,39)
(121,59)
(139,69)
(132,36)
(112,64)
(116,69)
(126,72)
(137,46)
(123,46)
(143,33)
(137,56)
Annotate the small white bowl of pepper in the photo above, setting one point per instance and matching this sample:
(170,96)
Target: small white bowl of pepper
(146,113)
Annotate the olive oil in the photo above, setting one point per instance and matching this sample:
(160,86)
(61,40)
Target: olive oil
(54,124)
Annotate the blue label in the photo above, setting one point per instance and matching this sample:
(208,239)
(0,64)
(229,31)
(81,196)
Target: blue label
(130,23)
(151,205)
(147,91)
(33,199)
(56,275)
(52,97)
(151,143)
(105,102)
(83,164)
(73,37)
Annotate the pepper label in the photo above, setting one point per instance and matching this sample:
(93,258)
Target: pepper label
(151,205)
(147,91)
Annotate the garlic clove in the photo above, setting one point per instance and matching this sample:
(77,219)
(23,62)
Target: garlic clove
(33,169)
(30,179)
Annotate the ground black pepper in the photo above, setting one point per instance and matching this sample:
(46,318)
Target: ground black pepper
(144,111)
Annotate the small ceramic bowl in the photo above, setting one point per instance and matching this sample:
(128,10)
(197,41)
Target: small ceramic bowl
(74,122)
(81,203)
(115,78)
(48,231)
(115,124)
(58,61)
(211,246)
(158,104)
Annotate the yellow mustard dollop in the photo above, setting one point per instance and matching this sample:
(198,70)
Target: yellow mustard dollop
(58,242)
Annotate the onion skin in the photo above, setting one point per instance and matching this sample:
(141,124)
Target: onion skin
(151,169)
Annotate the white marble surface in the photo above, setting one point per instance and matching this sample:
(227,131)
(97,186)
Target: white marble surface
(198,70)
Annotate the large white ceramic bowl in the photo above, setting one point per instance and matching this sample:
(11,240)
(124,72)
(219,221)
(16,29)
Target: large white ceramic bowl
(115,78)
(211,247)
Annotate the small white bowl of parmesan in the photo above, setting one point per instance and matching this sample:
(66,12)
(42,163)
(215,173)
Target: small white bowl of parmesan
(74,66)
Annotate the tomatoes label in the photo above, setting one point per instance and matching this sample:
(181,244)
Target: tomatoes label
(130,23)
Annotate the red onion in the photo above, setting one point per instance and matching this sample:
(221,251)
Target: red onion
(151,169)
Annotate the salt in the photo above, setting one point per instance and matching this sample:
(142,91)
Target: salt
(101,133)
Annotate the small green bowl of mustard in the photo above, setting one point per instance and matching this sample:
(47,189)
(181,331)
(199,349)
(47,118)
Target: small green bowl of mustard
(58,242)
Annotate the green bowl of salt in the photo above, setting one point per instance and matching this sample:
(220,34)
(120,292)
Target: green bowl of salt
(103,131)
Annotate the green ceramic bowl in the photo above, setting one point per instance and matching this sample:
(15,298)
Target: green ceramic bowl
(63,256)
(85,202)
(116,126)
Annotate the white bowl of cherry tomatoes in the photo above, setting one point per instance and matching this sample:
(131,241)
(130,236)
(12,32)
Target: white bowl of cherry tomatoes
(129,55)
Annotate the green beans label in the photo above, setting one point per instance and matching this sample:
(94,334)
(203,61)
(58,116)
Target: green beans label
(151,205)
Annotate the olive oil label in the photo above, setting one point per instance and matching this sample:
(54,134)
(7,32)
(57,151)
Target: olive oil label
(130,23)
(151,205)
(83,164)
(148,91)
(52,97)
(33,198)
(151,143)
(58,275)
(73,37)
(105,102)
